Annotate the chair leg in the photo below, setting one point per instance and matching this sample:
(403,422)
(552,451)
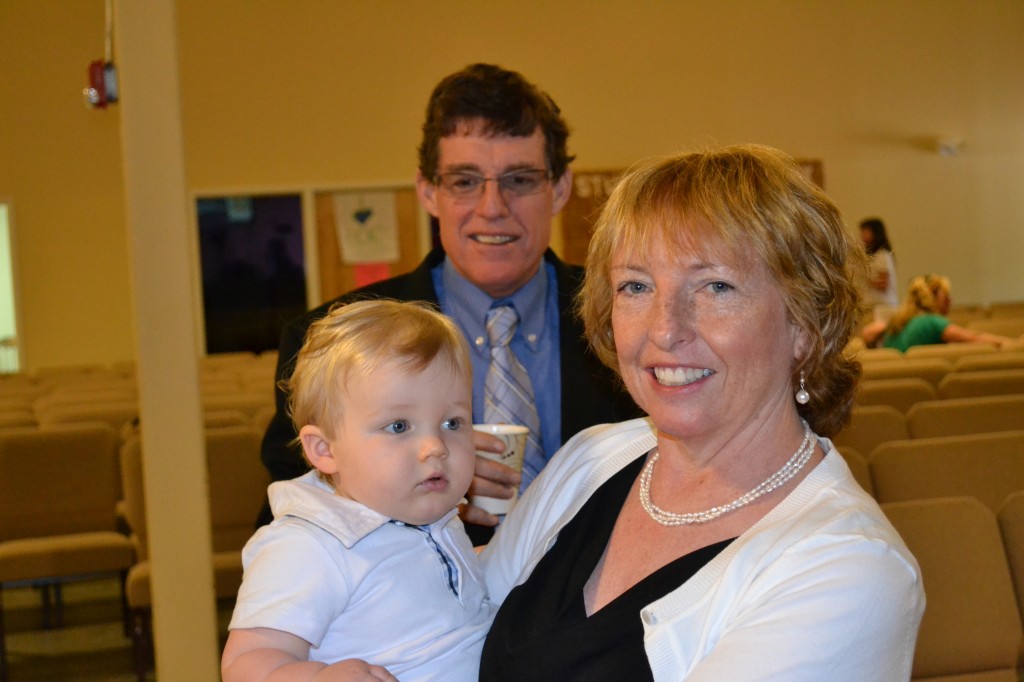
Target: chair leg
(141,642)
(45,596)
(126,612)
(58,605)
(3,641)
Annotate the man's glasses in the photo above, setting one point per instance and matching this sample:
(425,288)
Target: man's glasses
(517,183)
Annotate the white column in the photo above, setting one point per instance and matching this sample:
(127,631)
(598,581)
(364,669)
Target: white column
(177,508)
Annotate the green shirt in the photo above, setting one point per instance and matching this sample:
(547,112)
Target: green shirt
(920,331)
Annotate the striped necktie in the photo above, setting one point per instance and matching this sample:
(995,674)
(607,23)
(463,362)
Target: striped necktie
(508,394)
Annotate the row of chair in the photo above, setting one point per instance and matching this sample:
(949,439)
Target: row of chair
(872,425)
(958,503)
(934,368)
(972,566)
(904,393)
(238,484)
(245,408)
(964,313)
(58,518)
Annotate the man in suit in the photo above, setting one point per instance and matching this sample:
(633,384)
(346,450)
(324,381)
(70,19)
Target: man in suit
(493,172)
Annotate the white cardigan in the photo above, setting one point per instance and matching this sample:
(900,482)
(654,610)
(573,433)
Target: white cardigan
(821,588)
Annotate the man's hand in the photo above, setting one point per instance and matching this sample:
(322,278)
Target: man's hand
(492,479)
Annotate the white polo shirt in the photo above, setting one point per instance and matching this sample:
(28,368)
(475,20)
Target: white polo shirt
(356,585)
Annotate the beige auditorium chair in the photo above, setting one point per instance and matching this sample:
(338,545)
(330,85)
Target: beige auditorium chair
(1004,359)
(248,403)
(858,467)
(985,382)
(17,419)
(867,355)
(261,420)
(870,426)
(115,414)
(932,370)
(1006,309)
(962,314)
(899,393)
(963,416)
(238,484)
(65,396)
(988,467)
(57,520)
(226,361)
(951,352)
(221,418)
(971,630)
(1004,326)
(1011,525)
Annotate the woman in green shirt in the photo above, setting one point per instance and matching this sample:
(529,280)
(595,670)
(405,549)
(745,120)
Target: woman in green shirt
(921,320)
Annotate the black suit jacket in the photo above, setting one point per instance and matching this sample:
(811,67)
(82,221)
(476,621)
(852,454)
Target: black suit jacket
(591,393)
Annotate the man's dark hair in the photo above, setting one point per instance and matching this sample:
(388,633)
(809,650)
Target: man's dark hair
(505,102)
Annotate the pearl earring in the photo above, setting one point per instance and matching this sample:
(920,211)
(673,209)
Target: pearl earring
(802,396)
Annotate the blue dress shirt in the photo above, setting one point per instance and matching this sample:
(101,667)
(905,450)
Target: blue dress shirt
(535,342)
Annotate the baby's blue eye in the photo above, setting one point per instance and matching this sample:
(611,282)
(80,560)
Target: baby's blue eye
(397,426)
(453,424)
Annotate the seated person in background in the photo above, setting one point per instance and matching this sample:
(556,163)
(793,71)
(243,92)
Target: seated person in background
(921,320)
(366,570)
(721,539)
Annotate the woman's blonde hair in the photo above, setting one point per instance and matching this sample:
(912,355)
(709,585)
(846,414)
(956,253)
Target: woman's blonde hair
(356,339)
(921,299)
(751,201)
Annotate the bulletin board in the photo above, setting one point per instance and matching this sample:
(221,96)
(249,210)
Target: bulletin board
(589,192)
(365,235)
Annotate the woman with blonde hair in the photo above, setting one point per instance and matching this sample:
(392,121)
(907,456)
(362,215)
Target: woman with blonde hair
(921,320)
(722,537)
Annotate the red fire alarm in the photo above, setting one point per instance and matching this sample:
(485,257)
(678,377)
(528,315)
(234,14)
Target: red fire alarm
(102,84)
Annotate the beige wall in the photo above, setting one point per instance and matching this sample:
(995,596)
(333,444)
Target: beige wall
(312,94)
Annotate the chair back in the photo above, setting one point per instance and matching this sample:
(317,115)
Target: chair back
(858,467)
(1006,359)
(115,414)
(1011,525)
(998,309)
(988,467)
(931,370)
(870,426)
(980,383)
(238,484)
(58,481)
(1012,326)
(963,416)
(899,393)
(971,624)
(951,352)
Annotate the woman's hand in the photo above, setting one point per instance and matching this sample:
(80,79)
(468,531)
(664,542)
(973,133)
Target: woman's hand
(354,670)
(492,479)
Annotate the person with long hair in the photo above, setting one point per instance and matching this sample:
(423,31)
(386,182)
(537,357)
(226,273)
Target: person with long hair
(880,289)
(921,320)
(723,536)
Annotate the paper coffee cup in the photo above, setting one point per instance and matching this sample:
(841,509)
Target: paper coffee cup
(514,436)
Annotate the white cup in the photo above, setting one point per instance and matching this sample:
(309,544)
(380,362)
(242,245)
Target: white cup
(514,436)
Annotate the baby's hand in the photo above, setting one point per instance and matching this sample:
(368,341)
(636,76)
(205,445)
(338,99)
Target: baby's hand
(354,670)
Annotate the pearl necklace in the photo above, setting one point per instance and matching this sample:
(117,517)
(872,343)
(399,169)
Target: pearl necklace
(667,518)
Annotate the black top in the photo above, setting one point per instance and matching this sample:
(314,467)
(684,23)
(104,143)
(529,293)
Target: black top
(542,631)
